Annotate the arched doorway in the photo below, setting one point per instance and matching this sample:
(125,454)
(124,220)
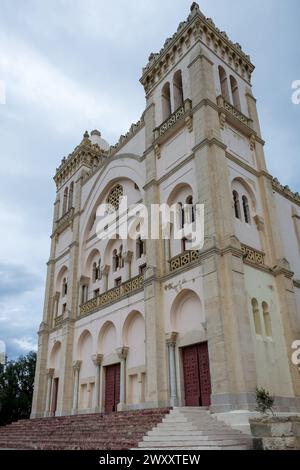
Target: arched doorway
(188,320)
(107,347)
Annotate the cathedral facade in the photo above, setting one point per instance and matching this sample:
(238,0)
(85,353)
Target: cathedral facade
(131,324)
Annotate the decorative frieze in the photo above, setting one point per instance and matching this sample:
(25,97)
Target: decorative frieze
(58,321)
(183,259)
(253,256)
(64,221)
(113,295)
(196,27)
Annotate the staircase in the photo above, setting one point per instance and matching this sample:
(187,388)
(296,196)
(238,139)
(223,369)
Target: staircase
(194,428)
(113,431)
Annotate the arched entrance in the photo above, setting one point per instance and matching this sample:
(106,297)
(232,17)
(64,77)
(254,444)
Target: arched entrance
(188,321)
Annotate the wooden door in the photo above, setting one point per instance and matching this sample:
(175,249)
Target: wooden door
(196,374)
(112,387)
(205,384)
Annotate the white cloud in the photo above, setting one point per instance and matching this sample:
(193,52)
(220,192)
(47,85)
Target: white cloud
(25,344)
(66,104)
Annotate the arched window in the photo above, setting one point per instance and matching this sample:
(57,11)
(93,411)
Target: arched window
(114,196)
(166,101)
(235,93)
(140,247)
(223,83)
(65,201)
(177,89)
(267,319)
(71,195)
(256,317)
(237,207)
(190,210)
(64,287)
(183,244)
(246,210)
(115,260)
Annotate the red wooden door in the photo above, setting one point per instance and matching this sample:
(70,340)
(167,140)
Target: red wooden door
(196,374)
(112,387)
(191,376)
(205,384)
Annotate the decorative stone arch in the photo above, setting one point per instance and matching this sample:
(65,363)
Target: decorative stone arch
(237,182)
(186,342)
(179,195)
(54,358)
(179,189)
(84,335)
(187,317)
(109,175)
(107,339)
(62,273)
(84,353)
(133,335)
(88,263)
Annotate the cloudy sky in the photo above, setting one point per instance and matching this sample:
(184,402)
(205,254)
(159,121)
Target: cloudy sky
(72,65)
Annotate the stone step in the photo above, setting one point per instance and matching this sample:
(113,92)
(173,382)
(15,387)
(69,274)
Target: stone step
(235,447)
(174,438)
(114,431)
(191,442)
(176,432)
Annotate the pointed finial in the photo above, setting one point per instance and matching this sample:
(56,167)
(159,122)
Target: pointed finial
(86,135)
(194,6)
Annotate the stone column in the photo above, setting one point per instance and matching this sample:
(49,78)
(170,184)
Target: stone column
(127,257)
(167,254)
(171,344)
(97,360)
(104,276)
(50,373)
(76,369)
(122,353)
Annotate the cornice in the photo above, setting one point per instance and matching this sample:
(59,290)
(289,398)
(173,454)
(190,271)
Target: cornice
(242,164)
(286,191)
(196,27)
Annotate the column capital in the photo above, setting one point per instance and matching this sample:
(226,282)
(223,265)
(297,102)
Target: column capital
(122,352)
(50,372)
(97,359)
(171,338)
(76,365)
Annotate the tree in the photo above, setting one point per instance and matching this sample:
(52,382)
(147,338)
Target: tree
(16,388)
